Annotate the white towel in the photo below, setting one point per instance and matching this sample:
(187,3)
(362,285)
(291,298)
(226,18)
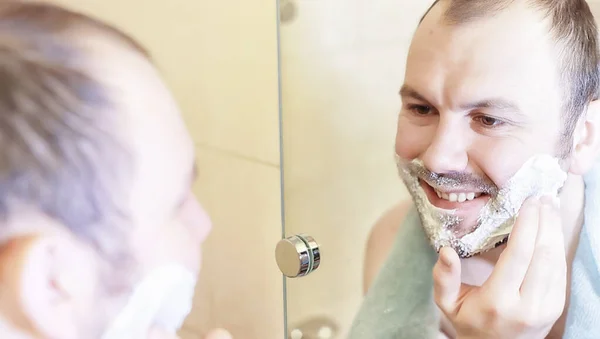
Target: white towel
(583,317)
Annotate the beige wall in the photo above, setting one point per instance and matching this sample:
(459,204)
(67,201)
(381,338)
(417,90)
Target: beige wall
(220,60)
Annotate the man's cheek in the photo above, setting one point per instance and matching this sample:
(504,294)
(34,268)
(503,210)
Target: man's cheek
(497,164)
(412,141)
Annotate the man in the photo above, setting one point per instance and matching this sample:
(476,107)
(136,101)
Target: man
(99,227)
(489,85)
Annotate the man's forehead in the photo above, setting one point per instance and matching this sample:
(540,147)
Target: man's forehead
(152,127)
(493,65)
(509,33)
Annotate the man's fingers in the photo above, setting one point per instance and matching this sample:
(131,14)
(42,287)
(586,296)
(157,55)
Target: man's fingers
(547,274)
(446,280)
(512,266)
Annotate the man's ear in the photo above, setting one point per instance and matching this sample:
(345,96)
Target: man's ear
(586,140)
(40,278)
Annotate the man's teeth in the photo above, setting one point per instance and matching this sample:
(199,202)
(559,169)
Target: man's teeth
(457,197)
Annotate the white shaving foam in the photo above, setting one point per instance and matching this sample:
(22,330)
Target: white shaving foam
(163,299)
(540,175)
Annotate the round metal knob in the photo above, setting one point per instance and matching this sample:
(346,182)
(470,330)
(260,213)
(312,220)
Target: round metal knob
(298,255)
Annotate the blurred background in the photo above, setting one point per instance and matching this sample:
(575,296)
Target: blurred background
(293,105)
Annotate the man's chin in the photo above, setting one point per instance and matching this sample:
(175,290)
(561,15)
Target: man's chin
(464,244)
(467,225)
(467,211)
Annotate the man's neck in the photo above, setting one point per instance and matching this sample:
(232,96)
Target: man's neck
(572,201)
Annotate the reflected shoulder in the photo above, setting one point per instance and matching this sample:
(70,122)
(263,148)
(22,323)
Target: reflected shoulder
(380,240)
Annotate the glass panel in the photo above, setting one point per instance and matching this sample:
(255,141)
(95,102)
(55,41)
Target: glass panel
(342,64)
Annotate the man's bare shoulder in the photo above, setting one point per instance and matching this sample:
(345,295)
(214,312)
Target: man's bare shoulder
(392,219)
(381,239)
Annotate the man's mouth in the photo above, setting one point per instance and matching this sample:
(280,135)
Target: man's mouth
(452,198)
(457,196)
(467,204)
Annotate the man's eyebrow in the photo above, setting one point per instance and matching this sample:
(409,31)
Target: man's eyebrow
(407,91)
(497,104)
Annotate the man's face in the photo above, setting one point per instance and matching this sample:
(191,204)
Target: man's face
(60,287)
(167,223)
(478,101)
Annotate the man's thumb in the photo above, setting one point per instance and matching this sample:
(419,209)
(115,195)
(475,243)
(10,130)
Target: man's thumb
(447,280)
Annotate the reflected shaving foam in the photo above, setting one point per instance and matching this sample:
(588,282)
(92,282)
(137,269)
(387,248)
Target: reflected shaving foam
(540,175)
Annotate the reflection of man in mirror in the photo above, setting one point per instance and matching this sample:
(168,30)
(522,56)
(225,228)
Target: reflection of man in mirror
(99,229)
(497,140)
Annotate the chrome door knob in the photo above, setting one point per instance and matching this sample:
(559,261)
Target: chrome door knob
(297,255)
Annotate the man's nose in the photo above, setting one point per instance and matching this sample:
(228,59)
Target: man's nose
(199,221)
(447,151)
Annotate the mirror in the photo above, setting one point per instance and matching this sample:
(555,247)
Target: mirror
(342,64)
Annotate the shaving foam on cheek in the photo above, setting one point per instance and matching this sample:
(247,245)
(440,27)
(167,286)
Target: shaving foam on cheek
(540,175)
(163,299)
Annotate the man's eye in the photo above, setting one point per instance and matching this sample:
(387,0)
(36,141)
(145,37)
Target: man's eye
(488,121)
(419,109)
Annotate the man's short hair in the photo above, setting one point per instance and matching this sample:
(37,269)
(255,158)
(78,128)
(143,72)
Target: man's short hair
(59,152)
(573,28)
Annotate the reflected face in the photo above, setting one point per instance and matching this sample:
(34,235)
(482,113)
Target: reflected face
(478,101)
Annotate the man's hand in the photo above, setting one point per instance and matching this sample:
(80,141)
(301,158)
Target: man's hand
(524,295)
